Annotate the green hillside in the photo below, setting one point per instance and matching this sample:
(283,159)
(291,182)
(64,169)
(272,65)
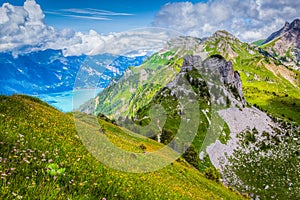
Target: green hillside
(267,83)
(147,79)
(258,42)
(42,157)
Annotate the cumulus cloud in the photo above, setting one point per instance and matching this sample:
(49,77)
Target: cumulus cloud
(248,19)
(22,30)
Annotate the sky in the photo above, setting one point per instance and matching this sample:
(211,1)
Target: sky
(87,26)
(103,16)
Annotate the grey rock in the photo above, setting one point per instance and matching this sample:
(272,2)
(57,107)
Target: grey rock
(227,75)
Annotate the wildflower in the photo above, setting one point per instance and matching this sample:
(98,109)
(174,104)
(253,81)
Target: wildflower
(50,160)
(26,161)
(27,178)
(43,160)
(103,198)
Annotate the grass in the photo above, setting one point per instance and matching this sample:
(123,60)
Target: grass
(258,42)
(42,157)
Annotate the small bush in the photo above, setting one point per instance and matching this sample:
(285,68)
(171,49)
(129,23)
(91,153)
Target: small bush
(213,174)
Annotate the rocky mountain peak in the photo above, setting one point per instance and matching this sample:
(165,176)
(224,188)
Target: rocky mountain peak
(217,71)
(288,27)
(285,44)
(223,34)
(295,24)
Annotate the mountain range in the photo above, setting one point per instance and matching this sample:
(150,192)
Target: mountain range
(50,71)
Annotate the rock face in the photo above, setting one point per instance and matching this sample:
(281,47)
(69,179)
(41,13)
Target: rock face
(285,44)
(228,76)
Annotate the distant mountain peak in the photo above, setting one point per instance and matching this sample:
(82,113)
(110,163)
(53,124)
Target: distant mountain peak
(223,33)
(284,44)
(286,26)
(294,26)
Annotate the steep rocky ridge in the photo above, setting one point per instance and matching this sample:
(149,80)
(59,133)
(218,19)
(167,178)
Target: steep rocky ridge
(285,44)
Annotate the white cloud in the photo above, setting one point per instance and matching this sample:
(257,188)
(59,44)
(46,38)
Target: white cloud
(22,30)
(248,19)
(87,13)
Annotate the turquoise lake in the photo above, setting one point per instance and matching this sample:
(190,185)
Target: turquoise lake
(69,100)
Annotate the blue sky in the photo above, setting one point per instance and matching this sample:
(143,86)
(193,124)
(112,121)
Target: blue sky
(124,14)
(82,26)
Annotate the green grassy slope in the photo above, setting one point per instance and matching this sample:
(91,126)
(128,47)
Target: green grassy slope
(266,82)
(42,158)
(147,79)
(258,42)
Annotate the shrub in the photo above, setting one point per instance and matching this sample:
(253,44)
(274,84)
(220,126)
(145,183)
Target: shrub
(213,174)
(143,147)
(191,156)
(166,136)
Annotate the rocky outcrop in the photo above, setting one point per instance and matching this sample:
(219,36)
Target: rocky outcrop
(228,76)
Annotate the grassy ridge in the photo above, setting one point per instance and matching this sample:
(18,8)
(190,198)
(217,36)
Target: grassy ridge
(42,157)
